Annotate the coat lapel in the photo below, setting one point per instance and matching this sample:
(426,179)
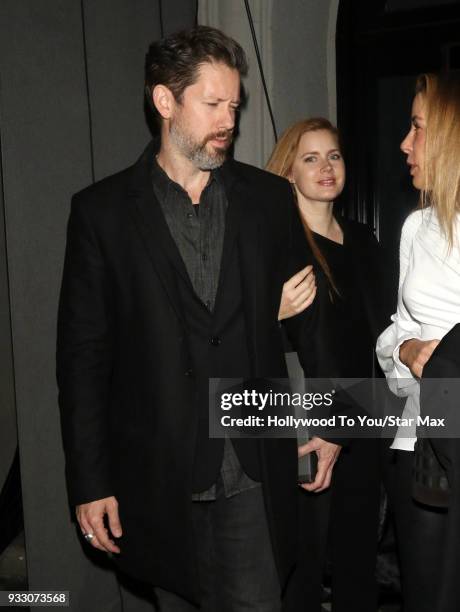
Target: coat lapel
(151,224)
(234,187)
(242,231)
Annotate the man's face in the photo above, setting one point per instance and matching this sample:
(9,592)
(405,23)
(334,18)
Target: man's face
(201,125)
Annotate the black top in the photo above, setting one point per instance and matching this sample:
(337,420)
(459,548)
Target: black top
(343,319)
(341,341)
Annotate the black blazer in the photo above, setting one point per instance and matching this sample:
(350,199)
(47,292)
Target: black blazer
(438,400)
(124,369)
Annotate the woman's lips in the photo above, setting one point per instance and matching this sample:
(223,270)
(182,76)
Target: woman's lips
(327,182)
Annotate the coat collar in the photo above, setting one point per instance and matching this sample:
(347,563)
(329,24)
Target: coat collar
(162,250)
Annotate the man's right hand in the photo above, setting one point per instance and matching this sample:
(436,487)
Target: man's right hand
(415,353)
(90,517)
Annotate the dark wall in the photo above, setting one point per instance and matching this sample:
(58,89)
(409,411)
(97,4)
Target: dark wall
(71,111)
(380,51)
(8,434)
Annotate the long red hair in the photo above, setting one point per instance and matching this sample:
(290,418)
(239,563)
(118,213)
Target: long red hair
(281,161)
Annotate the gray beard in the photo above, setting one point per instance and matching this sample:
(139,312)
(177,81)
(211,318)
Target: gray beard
(196,152)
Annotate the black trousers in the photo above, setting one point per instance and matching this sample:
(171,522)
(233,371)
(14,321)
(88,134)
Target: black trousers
(353,531)
(234,555)
(342,521)
(420,533)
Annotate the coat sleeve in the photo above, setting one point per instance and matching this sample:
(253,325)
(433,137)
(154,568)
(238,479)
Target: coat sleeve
(84,361)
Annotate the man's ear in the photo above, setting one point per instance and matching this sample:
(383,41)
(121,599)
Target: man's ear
(163,100)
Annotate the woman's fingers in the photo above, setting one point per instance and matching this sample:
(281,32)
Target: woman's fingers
(299,277)
(298,293)
(415,353)
(304,296)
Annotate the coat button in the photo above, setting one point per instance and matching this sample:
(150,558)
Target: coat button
(215,341)
(188,373)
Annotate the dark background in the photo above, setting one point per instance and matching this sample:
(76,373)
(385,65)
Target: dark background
(381,48)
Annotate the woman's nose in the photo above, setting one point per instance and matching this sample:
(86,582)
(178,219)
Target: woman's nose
(406,144)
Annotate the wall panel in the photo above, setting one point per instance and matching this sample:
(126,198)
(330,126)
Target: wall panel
(8,433)
(117,36)
(46,156)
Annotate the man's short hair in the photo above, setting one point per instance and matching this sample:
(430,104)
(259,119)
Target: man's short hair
(175,61)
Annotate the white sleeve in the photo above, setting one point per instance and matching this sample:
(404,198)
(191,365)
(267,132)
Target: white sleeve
(403,328)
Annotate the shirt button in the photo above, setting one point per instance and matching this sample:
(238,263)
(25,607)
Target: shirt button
(204,257)
(208,304)
(215,341)
(189,215)
(188,373)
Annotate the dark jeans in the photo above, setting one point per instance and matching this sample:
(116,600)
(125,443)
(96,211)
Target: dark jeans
(234,555)
(420,532)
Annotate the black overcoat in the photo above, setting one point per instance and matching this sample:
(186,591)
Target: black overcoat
(441,399)
(124,369)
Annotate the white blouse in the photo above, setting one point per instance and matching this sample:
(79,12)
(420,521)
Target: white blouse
(428,305)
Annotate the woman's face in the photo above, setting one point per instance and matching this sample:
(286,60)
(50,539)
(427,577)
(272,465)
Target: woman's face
(318,171)
(413,144)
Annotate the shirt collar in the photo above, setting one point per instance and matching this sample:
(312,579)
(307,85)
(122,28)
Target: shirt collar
(165,183)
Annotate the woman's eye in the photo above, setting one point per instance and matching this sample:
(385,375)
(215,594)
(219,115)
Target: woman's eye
(335,156)
(211,103)
(311,158)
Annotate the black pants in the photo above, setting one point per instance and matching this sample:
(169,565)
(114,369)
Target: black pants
(304,589)
(234,555)
(353,530)
(346,518)
(420,533)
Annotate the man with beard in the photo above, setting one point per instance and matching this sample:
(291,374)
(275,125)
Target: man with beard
(173,275)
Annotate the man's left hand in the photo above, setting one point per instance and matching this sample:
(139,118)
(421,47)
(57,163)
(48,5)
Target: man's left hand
(328,453)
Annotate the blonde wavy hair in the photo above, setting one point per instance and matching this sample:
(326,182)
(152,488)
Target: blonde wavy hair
(281,161)
(441,94)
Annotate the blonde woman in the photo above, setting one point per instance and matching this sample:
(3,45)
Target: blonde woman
(350,317)
(428,308)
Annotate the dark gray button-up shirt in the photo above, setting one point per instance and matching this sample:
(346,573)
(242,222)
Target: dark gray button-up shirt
(198,234)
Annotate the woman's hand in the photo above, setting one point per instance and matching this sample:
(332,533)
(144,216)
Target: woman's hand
(415,353)
(298,293)
(328,453)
